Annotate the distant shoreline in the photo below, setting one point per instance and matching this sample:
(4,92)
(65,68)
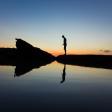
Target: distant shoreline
(97,61)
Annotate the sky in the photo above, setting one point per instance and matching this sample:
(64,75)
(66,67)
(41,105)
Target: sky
(87,25)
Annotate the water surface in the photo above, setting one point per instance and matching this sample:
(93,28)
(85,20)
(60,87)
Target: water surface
(56,87)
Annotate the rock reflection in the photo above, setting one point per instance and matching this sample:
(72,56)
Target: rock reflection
(24,68)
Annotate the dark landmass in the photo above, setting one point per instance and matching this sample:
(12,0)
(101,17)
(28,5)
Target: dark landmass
(25,57)
(11,56)
(23,53)
(97,61)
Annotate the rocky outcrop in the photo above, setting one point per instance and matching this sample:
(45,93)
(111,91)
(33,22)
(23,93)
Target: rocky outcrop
(27,51)
(24,53)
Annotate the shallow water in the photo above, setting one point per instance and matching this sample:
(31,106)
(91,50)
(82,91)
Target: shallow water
(55,88)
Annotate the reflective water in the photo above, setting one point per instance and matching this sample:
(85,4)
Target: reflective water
(56,87)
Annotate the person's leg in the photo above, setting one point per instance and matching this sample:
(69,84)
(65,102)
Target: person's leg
(65,50)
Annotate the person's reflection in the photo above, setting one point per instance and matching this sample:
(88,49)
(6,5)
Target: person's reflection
(63,74)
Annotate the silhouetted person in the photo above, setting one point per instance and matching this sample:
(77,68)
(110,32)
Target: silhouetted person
(64,43)
(64,74)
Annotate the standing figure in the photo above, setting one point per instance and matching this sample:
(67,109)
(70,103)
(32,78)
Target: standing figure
(64,43)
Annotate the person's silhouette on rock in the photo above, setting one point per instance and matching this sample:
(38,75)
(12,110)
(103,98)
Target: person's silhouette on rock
(64,43)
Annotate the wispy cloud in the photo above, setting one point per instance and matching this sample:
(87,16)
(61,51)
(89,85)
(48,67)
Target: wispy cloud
(106,51)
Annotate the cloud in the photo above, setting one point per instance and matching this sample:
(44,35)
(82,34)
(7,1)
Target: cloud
(106,51)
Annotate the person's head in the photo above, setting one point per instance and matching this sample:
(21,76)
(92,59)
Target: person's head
(63,36)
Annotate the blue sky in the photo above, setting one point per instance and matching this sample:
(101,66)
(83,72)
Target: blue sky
(87,24)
